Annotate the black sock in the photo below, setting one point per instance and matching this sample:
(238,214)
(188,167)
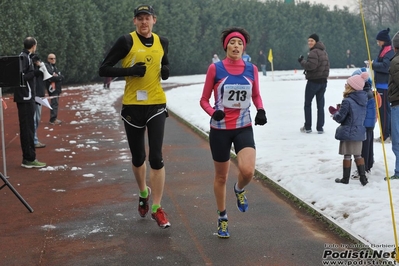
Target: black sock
(222,214)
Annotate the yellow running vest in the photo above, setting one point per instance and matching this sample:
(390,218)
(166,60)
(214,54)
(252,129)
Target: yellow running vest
(145,90)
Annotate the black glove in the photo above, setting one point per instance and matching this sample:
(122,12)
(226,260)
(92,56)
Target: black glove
(218,115)
(165,72)
(35,58)
(260,118)
(137,70)
(300,58)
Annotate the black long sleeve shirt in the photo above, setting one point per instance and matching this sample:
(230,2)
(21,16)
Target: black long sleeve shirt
(120,50)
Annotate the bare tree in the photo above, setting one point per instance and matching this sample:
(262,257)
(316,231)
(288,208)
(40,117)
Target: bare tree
(381,12)
(393,11)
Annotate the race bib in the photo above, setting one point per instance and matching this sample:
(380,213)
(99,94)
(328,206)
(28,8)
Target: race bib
(237,96)
(142,96)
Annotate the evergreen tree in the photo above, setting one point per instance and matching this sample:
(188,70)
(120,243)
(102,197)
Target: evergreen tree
(80,32)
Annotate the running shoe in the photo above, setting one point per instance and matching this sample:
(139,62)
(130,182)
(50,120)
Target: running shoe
(242,202)
(160,218)
(387,140)
(40,145)
(392,177)
(304,130)
(32,164)
(143,204)
(55,122)
(223,228)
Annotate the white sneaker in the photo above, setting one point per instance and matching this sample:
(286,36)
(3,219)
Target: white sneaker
(388,140)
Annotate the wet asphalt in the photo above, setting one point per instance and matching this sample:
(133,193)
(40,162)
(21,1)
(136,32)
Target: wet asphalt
(85,209)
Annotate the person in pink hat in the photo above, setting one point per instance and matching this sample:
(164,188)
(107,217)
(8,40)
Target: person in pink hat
(351,114)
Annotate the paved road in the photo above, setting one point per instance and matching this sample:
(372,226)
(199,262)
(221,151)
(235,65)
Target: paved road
(85,205)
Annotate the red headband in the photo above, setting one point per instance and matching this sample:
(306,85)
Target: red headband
(232,35)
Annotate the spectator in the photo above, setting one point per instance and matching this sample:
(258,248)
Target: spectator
(393,97)
(316,69)
(39,93)
(144,57)
(262,62)
(369,123)
(351,132)
(231,121)
(25,99)
(381,75)
(215,58)
(54,89)
(246,57)
(349,59)
(107,82)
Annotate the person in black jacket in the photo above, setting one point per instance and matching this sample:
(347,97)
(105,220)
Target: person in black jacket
(25,99)
(262,62)
(39,93)
(53,86)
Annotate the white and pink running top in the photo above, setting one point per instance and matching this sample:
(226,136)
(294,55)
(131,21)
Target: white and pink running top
(234,84)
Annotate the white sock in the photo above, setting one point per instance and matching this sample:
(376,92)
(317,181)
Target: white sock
(223,217)
(237,189)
